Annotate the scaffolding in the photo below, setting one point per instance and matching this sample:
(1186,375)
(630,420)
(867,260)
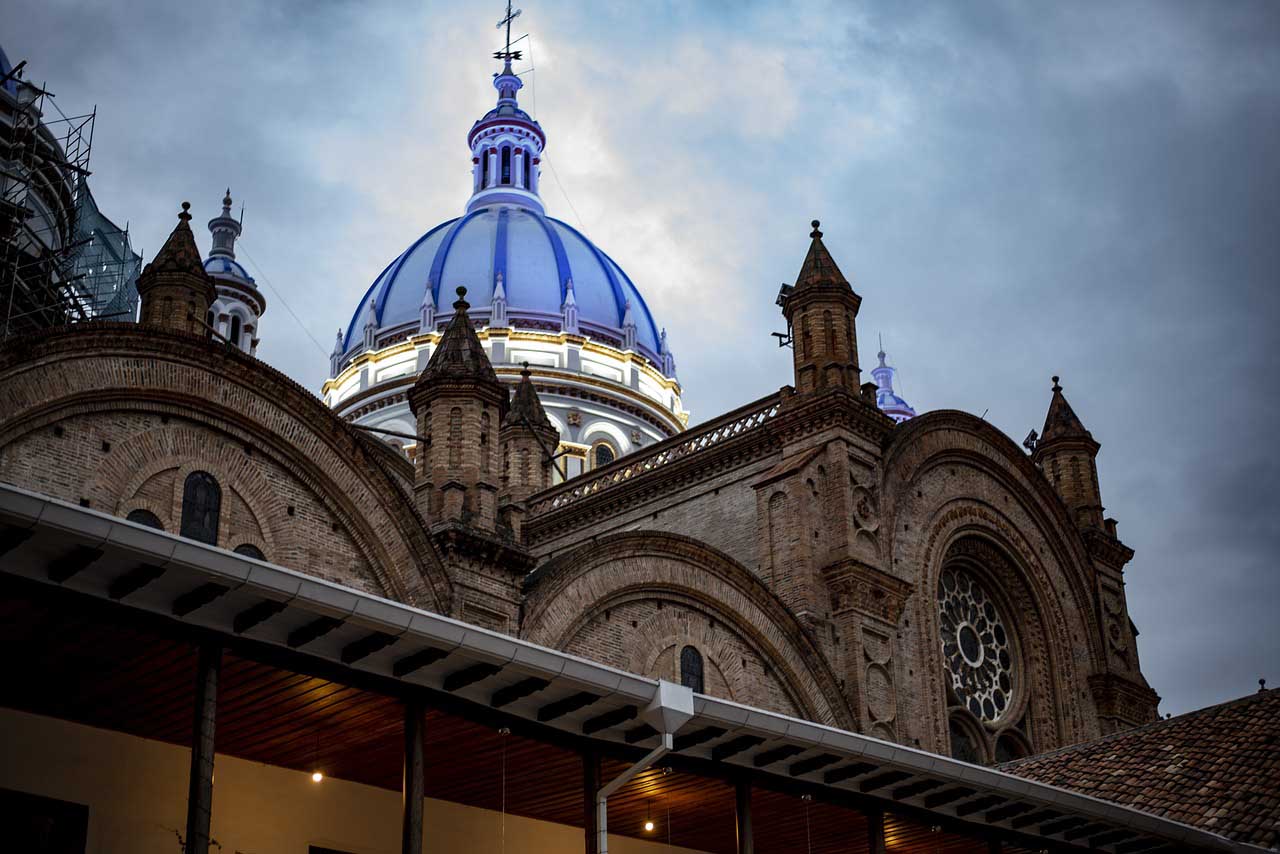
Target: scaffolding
(61,259)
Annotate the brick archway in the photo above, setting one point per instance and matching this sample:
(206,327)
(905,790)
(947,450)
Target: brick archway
(573,601)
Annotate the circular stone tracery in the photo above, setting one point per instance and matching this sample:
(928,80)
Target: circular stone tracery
(975,645)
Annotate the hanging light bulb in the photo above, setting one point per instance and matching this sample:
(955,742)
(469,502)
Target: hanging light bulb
(648,817)
(316,776)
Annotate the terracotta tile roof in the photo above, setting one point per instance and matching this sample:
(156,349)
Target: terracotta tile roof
(1216,768)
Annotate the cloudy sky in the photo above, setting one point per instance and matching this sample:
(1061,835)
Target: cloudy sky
(1089,189)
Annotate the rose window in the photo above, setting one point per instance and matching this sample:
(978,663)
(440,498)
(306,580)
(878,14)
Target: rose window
(975,645)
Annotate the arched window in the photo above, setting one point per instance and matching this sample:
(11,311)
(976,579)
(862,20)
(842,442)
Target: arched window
(250,550)
(234,337)
(484,169)
(604,455)
(963,745)
(691,669)
(506,164)
(829,329)
(528,175)
(145,517)
(201,503)
(1010,747)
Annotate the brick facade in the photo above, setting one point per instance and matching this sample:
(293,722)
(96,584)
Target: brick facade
(797,544)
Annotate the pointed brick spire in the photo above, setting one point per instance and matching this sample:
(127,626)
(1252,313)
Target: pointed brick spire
(819,267)
(821,311)
(179,253)
(1061,421)
(460,356)
(525,405)
(174,289)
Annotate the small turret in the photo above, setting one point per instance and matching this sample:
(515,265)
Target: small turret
(886,398)
(371,325)
(498,308)
(569,310)
(239,305)
(426,313)
(668,360)
(821,309)
(174,289)
(335,358)
(1066,452)
(628,328)
(459,404)
(528,439)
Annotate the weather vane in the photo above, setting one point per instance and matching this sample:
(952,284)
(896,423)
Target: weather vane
(508,54)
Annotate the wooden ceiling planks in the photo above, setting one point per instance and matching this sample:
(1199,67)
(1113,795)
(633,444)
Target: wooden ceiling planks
(94,668)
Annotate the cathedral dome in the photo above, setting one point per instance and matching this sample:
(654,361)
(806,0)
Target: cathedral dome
(545,303)
(224,267)
(537,258)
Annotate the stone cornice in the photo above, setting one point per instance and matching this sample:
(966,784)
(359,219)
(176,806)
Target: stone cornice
(858,586)
(453,538)
(1106,549)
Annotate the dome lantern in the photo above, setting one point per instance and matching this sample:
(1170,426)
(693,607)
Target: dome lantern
(506,149)
(886,398)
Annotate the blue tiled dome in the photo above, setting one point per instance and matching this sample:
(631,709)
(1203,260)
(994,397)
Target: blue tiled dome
(536,256)
(221,265)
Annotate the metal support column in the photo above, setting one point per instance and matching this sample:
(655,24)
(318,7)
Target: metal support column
(412,784)
(742,814)
(875,832)
(200,786)
(590,784)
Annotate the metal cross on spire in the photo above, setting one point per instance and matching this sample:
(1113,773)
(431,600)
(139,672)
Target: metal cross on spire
(508,54)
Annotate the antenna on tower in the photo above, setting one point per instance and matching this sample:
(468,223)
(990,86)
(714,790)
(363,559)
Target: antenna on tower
(508,54)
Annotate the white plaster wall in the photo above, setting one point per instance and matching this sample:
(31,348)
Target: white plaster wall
(136,790)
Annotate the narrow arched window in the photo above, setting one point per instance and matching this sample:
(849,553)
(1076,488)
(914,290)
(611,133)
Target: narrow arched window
(604,455)
(691,669)
(484,169)
(234,337)
(963,746)
(806,342)
(201,503)
(829,330)
(250,550)
(1009,748)
(528,175)
(506,164)
(145,517)
(484,442)
(455,437)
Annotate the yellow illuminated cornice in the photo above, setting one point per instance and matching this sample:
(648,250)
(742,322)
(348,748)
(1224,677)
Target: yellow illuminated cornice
(373,359)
